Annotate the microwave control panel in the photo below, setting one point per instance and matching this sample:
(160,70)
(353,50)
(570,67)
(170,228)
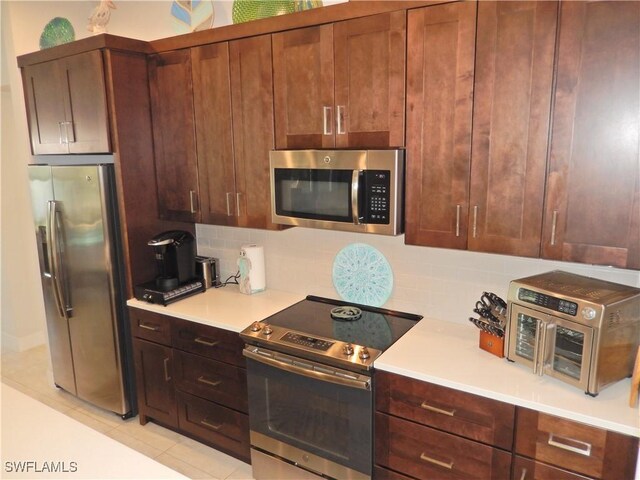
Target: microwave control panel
(377,196)
(547,301)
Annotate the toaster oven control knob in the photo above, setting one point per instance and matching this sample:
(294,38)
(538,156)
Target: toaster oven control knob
(347,349)
(588,313)
(267,330)
(256,327)
(364,353)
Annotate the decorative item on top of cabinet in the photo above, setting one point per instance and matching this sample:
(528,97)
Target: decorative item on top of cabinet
(592,212)
(440,65)
(428,431)
(342,84)
(573,446)
(234,129)
(67,105)
(176,164)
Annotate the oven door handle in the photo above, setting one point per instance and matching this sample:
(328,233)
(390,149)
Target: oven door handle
(268,359)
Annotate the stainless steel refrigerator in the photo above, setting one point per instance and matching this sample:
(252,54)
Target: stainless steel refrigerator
(81,265)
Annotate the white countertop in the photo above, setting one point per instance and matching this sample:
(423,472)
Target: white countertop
(436,351)
(225,307)
(37,439)
(447,354)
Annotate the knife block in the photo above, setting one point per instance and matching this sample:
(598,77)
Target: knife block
(492,344)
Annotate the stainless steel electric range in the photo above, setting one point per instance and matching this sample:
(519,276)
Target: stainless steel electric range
(309,374)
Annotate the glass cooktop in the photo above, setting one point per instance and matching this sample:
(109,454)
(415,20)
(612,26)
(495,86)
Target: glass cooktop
(371,327)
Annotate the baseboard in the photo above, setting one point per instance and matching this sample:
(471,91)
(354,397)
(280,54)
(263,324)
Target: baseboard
(13,343)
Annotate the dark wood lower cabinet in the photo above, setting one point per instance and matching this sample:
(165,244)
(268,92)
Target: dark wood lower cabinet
(527,469)
(218,426)
(426,453)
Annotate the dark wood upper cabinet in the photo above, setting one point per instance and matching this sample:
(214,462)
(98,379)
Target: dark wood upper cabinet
(67,105)
(511,112)
(342,84)
(592,212)
(233,93)
(440,51)
(214,133)
(174,140)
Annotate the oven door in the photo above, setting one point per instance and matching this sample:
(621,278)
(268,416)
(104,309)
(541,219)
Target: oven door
(310,414)
(550,345)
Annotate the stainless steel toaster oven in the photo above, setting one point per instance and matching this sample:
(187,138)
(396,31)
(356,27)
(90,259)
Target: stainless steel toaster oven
(581,330)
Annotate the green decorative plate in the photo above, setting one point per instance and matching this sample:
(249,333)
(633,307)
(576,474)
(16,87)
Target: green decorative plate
(247,10)
(58,31)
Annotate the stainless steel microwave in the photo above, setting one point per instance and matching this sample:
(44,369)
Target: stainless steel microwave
(352,190)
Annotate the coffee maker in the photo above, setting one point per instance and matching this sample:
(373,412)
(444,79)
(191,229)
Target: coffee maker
(175,253)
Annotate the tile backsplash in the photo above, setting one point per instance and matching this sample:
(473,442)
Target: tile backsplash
(433,282)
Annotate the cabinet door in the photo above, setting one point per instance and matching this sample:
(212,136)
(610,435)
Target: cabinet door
(592,212)
(43,90)
(511,109)
(252,105)
(88,130)
(212,95)
(370,57)
(174,135)
(440,46)
(155,385)
(66,105)
(303,88)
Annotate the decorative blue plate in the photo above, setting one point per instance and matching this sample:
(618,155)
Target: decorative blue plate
(361,274)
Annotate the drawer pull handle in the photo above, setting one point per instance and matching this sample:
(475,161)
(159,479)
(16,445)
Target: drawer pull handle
(569,444)
(153,328)
(426,406)
(448,466)
(524,474)
(206,341)
(213,426)
(215,383)
(167,377)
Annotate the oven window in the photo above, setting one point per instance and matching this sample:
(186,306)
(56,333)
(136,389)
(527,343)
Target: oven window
(526,336)
(314,194)
(322,418)
(567,356)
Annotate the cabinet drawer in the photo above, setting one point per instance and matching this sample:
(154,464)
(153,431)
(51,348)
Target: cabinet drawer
(211,380)
(380,473)
(221,427)
(208,341)
(526,469)
(425,453)
(150,326)
(581,448)
(470,416)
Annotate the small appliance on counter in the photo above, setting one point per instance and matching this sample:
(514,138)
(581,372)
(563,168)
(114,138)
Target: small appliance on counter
(580,330)
(208,269)
(175,254)
(251,267)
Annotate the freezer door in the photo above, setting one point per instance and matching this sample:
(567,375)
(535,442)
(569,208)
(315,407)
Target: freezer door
(85,208)
(41,186)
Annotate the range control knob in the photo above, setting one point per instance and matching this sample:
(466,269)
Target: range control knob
(267,330)
(364,353)
(347,349)
(256,326)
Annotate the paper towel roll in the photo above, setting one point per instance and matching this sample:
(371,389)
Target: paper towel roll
(252,271)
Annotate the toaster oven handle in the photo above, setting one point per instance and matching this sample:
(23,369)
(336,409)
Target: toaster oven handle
(539,342)
(355,206)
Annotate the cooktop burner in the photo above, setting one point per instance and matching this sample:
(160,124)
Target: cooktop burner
(334,331)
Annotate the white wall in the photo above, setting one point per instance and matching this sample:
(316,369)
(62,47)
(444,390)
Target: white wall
(437,283)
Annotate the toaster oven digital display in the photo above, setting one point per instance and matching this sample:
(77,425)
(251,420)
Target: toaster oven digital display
(547,301)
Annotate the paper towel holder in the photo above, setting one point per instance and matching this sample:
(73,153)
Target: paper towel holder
(251,268)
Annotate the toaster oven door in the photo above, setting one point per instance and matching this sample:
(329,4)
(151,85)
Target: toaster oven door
(550,345)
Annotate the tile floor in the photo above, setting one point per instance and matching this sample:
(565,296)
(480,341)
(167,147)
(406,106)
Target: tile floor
(28,372)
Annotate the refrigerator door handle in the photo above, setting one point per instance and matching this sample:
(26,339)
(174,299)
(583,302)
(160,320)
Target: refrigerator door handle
(54,259)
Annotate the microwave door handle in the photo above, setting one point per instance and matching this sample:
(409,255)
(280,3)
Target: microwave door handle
(355,207)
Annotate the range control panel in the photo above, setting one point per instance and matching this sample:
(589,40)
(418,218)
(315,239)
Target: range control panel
(306,341)
(547,301)
(377,196)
